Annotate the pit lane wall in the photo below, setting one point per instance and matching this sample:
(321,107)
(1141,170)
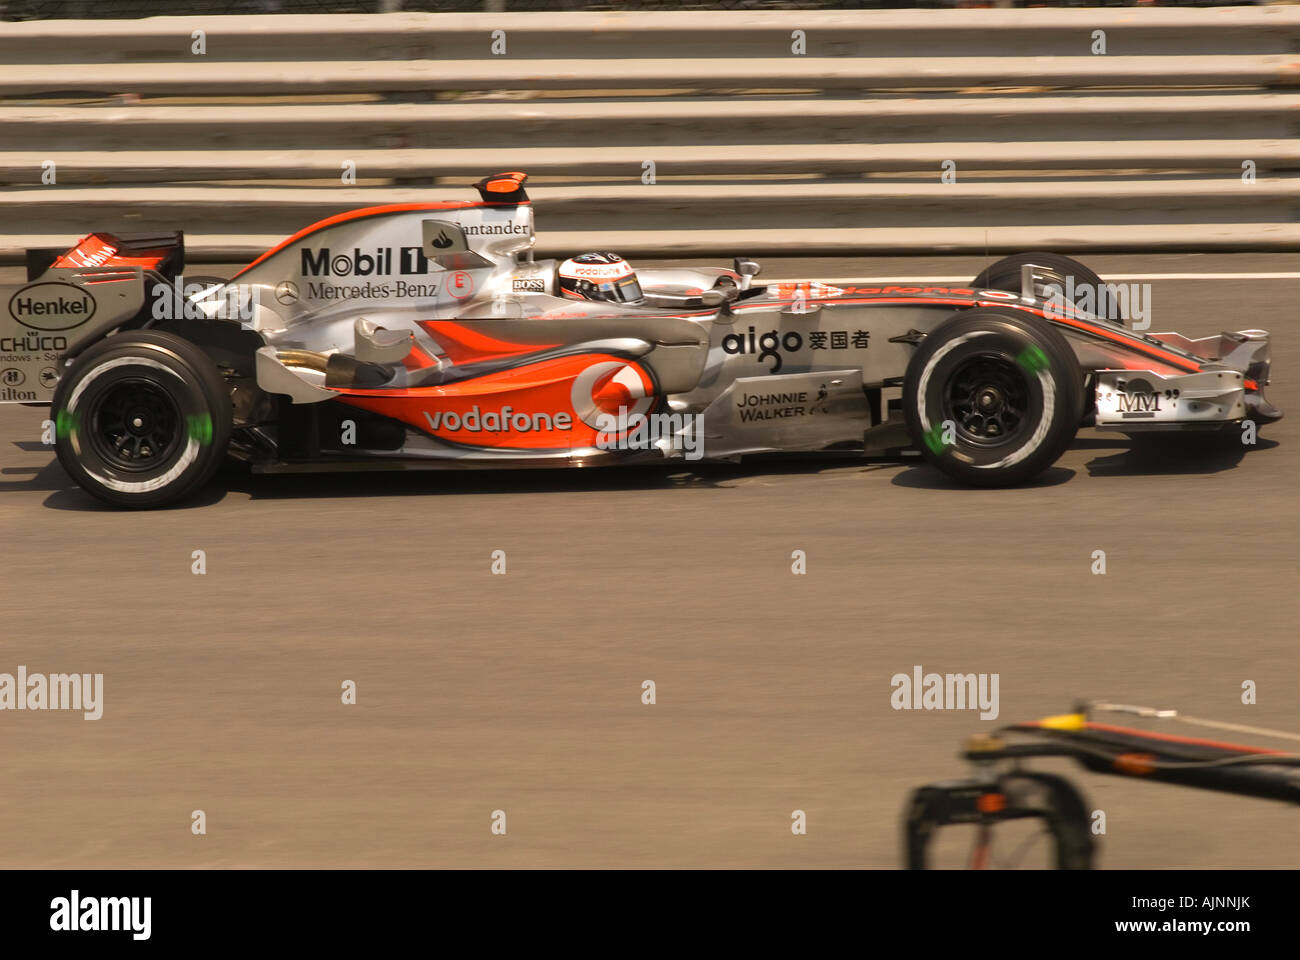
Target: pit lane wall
(656,133)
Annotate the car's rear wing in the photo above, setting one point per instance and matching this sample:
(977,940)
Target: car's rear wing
(54,316)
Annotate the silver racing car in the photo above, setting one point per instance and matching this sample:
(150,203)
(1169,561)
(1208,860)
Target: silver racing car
(427,335)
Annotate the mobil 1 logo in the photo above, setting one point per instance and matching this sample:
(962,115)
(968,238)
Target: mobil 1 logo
(356,262)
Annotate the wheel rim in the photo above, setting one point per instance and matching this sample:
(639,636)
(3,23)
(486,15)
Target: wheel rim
(136,425)
(987,398)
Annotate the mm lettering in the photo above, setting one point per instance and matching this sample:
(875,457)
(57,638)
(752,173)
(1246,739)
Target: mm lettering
(1137,402)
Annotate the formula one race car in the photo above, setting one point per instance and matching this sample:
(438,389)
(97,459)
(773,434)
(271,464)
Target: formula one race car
(427,335)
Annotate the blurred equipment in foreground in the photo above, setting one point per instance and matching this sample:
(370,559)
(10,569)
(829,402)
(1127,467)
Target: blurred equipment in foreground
(1040,819)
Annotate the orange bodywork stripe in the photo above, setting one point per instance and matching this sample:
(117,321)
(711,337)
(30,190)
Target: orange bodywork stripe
(418,359)
(463,344)
(373,212)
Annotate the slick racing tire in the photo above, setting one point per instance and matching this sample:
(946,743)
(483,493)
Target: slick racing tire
(142,419)
(1069,275)
(992,397)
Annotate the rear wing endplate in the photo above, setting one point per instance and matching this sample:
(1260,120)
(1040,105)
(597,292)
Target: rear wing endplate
(55,316)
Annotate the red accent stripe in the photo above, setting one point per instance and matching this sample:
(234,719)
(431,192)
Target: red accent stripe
(1173,359)
(373,212)
(418,359)
(464,344)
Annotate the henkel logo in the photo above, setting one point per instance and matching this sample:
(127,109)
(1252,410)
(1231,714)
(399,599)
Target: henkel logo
(51,306)
(381,262)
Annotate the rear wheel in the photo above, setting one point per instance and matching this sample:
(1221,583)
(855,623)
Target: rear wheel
(142,419)
(992,397)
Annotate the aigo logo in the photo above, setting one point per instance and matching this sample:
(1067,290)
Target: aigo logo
(768,345)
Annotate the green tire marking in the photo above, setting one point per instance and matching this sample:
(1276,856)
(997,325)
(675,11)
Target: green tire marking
(934,438)
(66,423)
(1033,359)
(200,427)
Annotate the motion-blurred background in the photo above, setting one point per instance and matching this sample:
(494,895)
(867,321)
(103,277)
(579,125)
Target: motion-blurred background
(832,140)
(802,128)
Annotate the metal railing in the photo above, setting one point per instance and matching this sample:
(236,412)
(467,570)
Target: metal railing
(687,132)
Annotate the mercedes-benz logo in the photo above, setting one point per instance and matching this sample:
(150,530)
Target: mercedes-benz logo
(286,291)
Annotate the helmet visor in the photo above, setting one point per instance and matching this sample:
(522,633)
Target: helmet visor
(623,290)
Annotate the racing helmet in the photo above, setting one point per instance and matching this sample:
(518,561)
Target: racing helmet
(599,276)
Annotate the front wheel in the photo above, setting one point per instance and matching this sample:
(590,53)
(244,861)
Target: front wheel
(142,419)
(992,397)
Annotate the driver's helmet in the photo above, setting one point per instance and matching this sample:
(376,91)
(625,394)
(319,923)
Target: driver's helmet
(599,276)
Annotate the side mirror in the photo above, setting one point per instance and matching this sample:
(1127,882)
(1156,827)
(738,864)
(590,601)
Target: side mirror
(713,297)
(748,270)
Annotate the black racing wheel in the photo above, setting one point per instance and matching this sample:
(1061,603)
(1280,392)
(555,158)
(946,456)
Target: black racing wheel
(992,396)
(142,419)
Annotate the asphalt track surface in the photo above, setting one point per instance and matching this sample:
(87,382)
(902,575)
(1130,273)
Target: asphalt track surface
(522,692)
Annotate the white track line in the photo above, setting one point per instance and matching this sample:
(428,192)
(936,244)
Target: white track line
(1109,276)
